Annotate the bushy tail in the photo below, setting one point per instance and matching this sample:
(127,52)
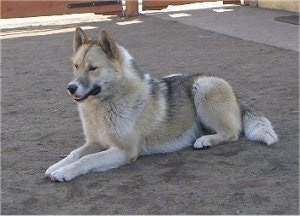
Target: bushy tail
(256,127)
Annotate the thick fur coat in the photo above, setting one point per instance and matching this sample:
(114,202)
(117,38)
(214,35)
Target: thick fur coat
(128,113)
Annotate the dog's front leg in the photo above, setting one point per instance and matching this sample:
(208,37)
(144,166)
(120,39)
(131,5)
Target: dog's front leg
(72,157)
(101,161)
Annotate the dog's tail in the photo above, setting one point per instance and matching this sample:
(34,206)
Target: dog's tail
(256,127)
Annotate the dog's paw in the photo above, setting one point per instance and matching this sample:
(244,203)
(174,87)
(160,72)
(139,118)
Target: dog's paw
(67,173)
(54,167)
(202,143)
(51,169)
(270,138)
(61,175)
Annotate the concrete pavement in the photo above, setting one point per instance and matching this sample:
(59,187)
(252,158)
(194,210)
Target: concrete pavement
(247,23)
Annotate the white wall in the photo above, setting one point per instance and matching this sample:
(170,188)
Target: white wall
(290,5)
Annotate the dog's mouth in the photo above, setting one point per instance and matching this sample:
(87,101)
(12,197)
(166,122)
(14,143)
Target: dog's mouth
(94,91)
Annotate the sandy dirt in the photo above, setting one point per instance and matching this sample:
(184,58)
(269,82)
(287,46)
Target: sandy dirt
(40,125)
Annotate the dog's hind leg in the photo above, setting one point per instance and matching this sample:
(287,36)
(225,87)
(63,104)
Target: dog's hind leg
(73,157)
(101,161)
(218,110)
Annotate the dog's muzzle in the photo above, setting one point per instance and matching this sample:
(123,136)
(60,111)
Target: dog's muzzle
(72,88)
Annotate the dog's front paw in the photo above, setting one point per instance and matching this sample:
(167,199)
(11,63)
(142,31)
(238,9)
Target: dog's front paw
(57,166)
(51,169)
(61,175)
(66,173)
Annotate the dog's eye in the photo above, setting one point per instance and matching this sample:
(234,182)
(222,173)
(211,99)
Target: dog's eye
(92,68)
(76,66)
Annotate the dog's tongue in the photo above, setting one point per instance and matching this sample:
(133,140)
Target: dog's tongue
(96,90)
(78,97)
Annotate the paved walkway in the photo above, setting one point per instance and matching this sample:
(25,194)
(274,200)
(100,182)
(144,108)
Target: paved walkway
(248,23)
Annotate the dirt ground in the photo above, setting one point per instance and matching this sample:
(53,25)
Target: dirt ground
(40,125)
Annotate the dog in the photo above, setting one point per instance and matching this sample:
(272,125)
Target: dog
(128,113)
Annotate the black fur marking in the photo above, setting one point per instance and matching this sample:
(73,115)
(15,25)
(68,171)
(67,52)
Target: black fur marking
(176,86)
(154,86)
(137,69)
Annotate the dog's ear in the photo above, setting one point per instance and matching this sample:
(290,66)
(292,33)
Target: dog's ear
(79,38)
(108,45)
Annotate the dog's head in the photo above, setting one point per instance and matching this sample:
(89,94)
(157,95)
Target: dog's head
(96,66)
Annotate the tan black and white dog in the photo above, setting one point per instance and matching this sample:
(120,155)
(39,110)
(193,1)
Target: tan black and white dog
(129,114)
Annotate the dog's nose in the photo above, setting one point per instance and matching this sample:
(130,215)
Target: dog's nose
(72,88)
